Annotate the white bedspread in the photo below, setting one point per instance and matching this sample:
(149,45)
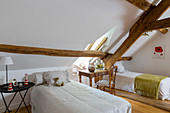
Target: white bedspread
(76,98)
(125,81)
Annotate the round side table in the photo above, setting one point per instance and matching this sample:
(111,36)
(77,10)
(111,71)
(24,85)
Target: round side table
(16,90)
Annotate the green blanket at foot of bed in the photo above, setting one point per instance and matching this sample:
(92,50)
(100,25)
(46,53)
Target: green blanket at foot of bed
(148,85)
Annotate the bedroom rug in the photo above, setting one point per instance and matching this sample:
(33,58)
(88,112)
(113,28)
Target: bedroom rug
(165,105)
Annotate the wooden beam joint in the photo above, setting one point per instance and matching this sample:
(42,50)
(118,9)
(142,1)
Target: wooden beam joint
(142,4)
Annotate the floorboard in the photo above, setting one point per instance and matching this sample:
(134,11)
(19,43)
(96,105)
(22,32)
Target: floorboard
(162,104)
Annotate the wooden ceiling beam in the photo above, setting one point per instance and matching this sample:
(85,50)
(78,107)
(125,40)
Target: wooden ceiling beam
(164,23)
(54,52)
(49,52)
(163,30)
(142,4)
(145,5)
(125,59)
(120,59)
(146,19)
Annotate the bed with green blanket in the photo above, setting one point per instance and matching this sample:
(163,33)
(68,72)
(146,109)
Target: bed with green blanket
(154,86)
(148,85)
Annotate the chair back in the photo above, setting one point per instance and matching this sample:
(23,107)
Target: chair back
(112,75)
(112,78)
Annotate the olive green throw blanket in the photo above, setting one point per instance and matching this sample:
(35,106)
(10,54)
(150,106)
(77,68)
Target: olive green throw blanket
(148,85)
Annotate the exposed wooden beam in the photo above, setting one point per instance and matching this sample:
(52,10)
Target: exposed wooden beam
(142,4)
(164,23)
(49,52)
(163,30)
(125,59)
(146,19)
(107,57)
(120,59)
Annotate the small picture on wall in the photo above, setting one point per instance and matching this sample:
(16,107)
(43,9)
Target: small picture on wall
(158,51)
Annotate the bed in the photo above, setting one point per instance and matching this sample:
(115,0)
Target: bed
(75,97)
(125,81)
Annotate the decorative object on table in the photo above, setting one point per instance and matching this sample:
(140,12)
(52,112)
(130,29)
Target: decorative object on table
(6,60)
(10,87)
(82,66)
(158,51)
(58,82)
(91,67)
(26,80)
(15,83)
(20,85)
(99,64)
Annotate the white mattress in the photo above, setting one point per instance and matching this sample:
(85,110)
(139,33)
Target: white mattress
(76,98)
(125,81)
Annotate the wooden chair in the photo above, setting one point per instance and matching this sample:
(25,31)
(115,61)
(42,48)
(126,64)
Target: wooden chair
(102,84)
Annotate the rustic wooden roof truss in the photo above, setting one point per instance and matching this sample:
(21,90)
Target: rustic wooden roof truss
(148,21)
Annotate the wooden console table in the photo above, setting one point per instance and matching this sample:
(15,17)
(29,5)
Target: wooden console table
(89,74)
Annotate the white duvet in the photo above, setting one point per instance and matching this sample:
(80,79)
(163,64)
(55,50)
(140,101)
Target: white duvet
(125,81)
(76,98)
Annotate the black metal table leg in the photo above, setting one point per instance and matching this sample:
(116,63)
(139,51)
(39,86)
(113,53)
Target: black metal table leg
(5,103)
(11,101)
(23,101)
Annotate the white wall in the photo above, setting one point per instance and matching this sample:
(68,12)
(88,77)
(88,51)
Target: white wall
(19,74)
(143,62)
(60,24)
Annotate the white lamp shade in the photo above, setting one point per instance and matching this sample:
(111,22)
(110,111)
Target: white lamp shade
(6,60)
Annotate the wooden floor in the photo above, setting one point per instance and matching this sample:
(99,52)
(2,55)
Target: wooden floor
(162,104)
(22,110)
(137,107)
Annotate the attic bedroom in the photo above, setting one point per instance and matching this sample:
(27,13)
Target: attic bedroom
(85,56)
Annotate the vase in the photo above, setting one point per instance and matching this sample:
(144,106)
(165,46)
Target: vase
(91,68)
(99,64)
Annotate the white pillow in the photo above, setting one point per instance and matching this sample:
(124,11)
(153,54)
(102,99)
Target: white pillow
(49,76)
(36,78)
(120,67)
(70,72)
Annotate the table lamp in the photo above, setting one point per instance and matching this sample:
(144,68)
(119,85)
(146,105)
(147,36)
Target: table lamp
(6,60)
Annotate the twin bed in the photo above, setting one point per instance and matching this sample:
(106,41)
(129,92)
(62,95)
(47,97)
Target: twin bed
(73,97)
(76,98)
(125,81)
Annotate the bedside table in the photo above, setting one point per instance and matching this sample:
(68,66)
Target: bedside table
(16,90)
(89,74)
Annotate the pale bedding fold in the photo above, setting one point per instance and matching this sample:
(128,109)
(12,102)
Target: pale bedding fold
(125,81)
(76,98)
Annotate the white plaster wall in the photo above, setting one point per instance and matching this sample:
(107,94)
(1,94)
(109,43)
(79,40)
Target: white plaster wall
(19,74)
(60,24)
(143,62)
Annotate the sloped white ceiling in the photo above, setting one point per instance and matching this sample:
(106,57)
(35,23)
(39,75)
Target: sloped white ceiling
(60,24)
